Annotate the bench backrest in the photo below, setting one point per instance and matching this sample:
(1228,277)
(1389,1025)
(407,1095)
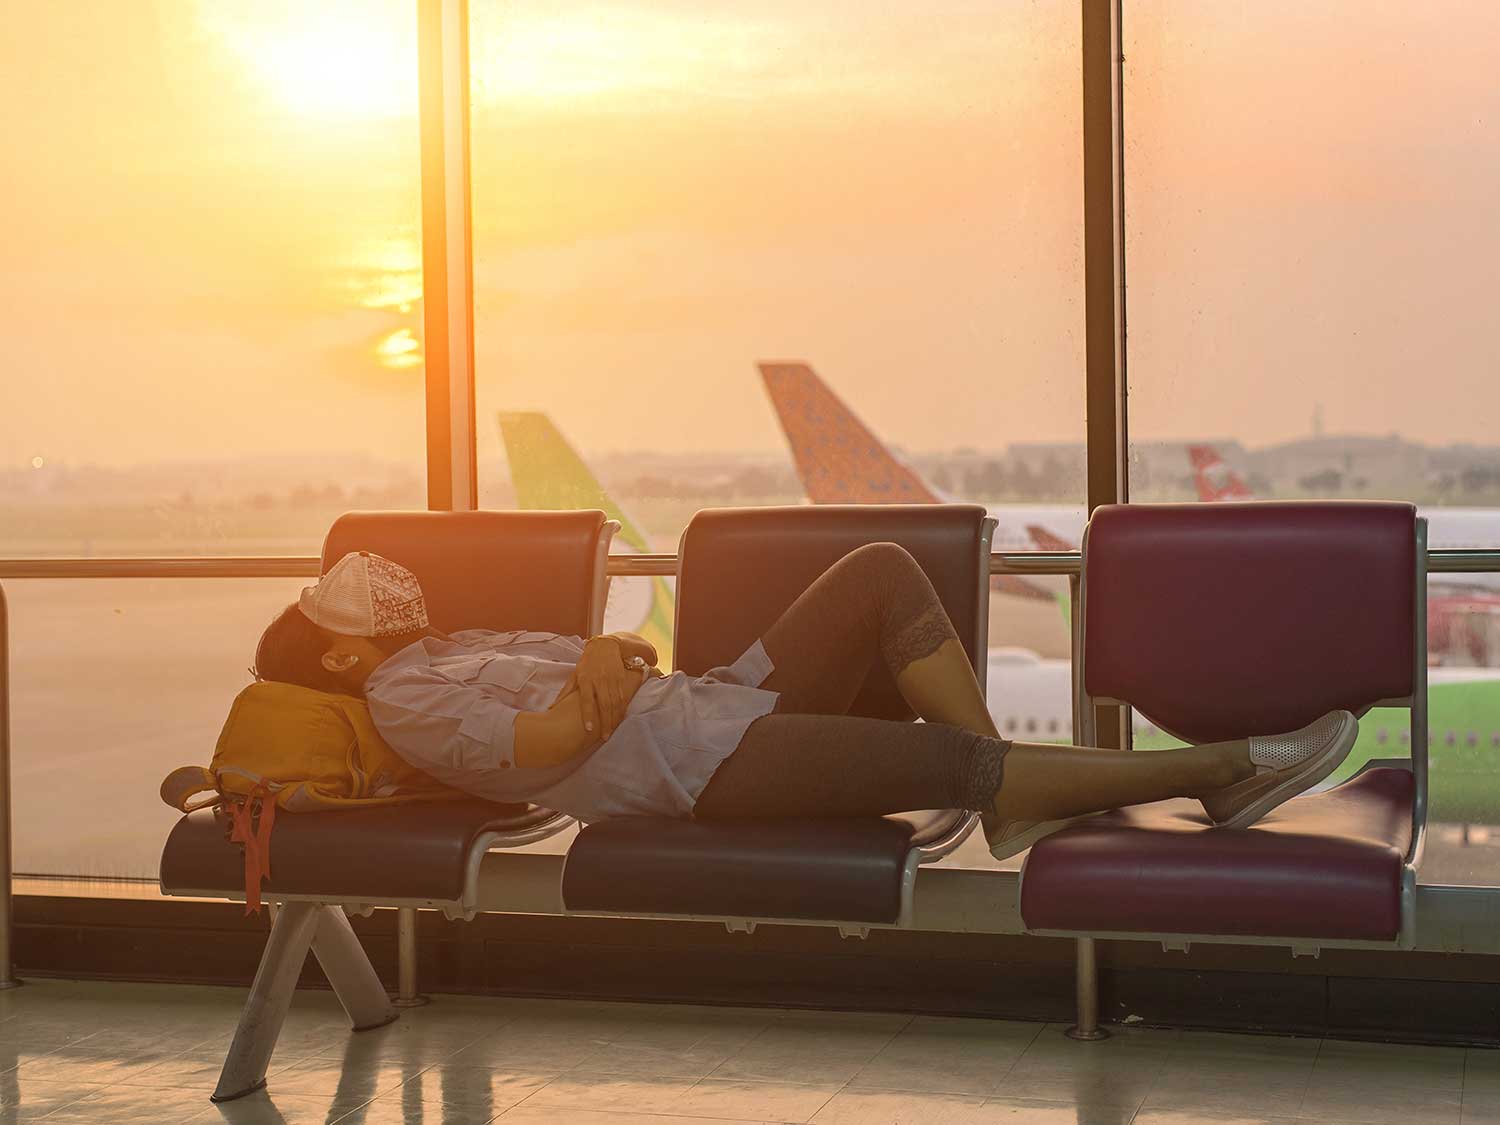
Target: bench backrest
(1220,620)
(491,570)
(740,568)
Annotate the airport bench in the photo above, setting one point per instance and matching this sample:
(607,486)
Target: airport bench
(1214,620)
(738,570)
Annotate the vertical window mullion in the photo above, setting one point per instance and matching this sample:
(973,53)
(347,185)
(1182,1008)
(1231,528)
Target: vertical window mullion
(1104,285)
(447,254)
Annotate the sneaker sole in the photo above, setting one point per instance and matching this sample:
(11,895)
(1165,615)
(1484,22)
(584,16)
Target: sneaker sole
(1301,779)
(1012,845)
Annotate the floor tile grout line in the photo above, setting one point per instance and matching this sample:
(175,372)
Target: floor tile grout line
(1311,1073)
(1463,1084)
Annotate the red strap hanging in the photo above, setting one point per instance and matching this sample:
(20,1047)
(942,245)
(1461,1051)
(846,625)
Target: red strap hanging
(255,837)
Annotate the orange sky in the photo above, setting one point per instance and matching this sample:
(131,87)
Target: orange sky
(211,231)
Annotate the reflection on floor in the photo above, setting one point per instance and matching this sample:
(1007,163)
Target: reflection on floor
(106,1053)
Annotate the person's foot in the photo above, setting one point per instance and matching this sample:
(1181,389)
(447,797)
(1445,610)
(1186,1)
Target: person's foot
(1010,837)
(1285,765)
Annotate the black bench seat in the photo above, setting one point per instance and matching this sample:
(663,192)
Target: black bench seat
(419,852)
(856,870)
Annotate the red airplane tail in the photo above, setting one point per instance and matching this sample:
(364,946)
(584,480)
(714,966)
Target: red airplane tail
(1216,481)
(839,460)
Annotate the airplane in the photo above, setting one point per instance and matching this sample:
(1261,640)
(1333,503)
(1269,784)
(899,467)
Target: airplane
(547,473)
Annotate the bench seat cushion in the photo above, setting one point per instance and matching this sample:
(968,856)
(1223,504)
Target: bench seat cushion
(846,870)
(417,851)
(1326,865)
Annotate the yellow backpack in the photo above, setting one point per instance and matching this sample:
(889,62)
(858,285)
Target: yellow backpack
(290,747)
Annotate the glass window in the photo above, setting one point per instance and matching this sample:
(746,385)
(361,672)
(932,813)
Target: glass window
(114,684)
(771,253)
(212,276)
(1311,251)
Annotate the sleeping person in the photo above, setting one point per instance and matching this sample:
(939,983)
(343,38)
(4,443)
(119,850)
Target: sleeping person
(594,729)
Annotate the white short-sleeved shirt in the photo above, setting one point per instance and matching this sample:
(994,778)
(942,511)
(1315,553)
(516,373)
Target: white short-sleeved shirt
(449,705)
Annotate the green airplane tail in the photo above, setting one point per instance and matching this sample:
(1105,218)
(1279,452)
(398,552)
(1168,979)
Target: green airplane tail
(546,472)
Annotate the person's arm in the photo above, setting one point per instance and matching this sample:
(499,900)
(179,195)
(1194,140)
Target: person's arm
(445,725)
(603,684)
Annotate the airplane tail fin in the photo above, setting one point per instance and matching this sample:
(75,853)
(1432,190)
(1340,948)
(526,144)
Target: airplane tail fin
(1216,481)
(839,460)
(548,473)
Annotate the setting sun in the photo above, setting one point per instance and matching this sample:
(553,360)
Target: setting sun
(327,59)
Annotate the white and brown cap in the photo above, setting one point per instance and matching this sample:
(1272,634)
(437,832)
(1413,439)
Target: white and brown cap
(364,595)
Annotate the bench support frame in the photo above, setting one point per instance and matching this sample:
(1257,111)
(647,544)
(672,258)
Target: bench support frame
(1086,979)
(298,927)
(407,994)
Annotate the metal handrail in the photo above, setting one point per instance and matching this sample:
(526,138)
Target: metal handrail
(1064,563)
(1466,560)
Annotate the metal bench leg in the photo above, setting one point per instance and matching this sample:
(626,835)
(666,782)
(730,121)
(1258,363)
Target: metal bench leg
(1087,971)
(270,997)
(349,970)
(407,995)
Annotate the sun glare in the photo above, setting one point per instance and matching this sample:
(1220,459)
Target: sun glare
(399,349)
(386,272)
(330,59)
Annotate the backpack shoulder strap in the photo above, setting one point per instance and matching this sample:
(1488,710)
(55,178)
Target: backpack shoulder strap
(180,786)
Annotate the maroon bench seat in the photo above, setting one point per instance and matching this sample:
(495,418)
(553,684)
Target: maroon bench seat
(1219,621)
(1325,866)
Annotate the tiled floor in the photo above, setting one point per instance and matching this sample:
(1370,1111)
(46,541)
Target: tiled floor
(106,1053)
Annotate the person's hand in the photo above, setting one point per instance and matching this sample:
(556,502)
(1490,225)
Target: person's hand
(605,686)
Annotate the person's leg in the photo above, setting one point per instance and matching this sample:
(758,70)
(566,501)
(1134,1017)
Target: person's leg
(874,603)
(847,765)
(1046,782)
(841,765)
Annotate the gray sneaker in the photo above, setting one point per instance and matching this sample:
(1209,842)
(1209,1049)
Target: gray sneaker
(1286,764)
(1010,837)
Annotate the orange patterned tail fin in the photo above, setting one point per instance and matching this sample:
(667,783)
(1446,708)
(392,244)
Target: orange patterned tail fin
(838,458)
